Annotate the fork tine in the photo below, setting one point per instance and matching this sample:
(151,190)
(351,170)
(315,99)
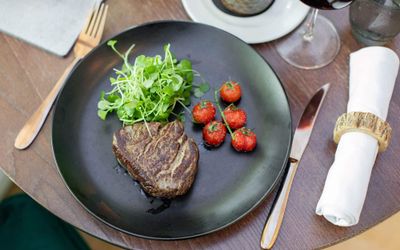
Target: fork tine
(98,20)
(87,21)
(93,20)
(98,31)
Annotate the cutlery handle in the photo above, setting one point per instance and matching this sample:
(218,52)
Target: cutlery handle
(275,218)
(32,127)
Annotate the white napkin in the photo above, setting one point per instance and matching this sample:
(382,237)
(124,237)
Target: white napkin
(373,72)
(52,25)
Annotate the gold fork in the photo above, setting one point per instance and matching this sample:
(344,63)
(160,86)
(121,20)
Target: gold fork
(89,38)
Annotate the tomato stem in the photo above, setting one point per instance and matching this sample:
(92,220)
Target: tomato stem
(222,113)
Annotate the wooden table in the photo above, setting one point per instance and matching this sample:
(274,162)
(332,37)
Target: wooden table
(27,75)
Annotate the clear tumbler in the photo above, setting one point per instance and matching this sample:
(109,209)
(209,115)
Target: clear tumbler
(375,22)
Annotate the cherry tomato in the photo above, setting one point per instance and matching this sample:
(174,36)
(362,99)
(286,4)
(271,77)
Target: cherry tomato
(214,133)
(244,140)
(203,112)
(235,117)
(230,91)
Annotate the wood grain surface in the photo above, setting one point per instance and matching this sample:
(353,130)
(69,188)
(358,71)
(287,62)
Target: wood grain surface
(27,74)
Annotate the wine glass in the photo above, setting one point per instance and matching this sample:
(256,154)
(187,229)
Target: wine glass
(315,43)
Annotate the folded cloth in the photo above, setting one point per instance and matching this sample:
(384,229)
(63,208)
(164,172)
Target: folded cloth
(52,25)
(373,72)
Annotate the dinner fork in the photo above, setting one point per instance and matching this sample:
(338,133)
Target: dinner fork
(89,38)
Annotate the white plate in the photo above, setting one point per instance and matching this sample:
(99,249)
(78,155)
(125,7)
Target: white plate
(282,17)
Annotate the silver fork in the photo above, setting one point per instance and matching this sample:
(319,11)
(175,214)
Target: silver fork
(89,38)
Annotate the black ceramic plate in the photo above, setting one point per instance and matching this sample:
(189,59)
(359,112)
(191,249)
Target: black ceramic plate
(228,184)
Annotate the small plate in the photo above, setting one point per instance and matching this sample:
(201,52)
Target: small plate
(278,20)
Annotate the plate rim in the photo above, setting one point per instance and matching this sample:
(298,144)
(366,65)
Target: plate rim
(255,205)
(215,21)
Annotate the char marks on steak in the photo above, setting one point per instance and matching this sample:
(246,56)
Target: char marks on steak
(164,163)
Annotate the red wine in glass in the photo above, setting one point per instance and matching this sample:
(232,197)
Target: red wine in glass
(327,4)
(315,43)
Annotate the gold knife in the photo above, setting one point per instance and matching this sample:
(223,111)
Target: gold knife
(300,140)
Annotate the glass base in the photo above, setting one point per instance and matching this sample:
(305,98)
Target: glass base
(313,53)
(367,38)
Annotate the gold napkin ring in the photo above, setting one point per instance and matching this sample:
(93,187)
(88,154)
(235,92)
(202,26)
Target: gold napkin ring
(364,122)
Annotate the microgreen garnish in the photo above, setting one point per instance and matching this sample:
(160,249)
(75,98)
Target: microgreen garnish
(201,89)
(149,89)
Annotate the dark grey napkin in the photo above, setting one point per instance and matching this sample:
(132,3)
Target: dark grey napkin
(52,25)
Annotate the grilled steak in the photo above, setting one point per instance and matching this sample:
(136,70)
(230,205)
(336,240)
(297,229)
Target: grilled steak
(164,163)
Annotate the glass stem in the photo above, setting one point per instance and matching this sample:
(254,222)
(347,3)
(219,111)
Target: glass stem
(309,34)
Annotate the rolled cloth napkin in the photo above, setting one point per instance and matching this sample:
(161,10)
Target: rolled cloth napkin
(52,25)
(373,72)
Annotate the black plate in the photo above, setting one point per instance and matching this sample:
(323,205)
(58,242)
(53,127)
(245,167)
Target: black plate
(228,184)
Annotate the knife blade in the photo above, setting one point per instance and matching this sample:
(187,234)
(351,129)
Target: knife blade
(300,141)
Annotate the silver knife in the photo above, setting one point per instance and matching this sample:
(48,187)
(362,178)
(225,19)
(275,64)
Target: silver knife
(300,140)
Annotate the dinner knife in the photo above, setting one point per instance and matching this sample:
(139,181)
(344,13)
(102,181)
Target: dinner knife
(300,140)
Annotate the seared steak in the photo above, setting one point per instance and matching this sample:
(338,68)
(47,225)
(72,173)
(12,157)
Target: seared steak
(164,163)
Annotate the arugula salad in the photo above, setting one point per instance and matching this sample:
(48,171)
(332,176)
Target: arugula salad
(150,88)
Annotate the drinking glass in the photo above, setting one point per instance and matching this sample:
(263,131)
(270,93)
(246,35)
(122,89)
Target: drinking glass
(375,22)
(315,43)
